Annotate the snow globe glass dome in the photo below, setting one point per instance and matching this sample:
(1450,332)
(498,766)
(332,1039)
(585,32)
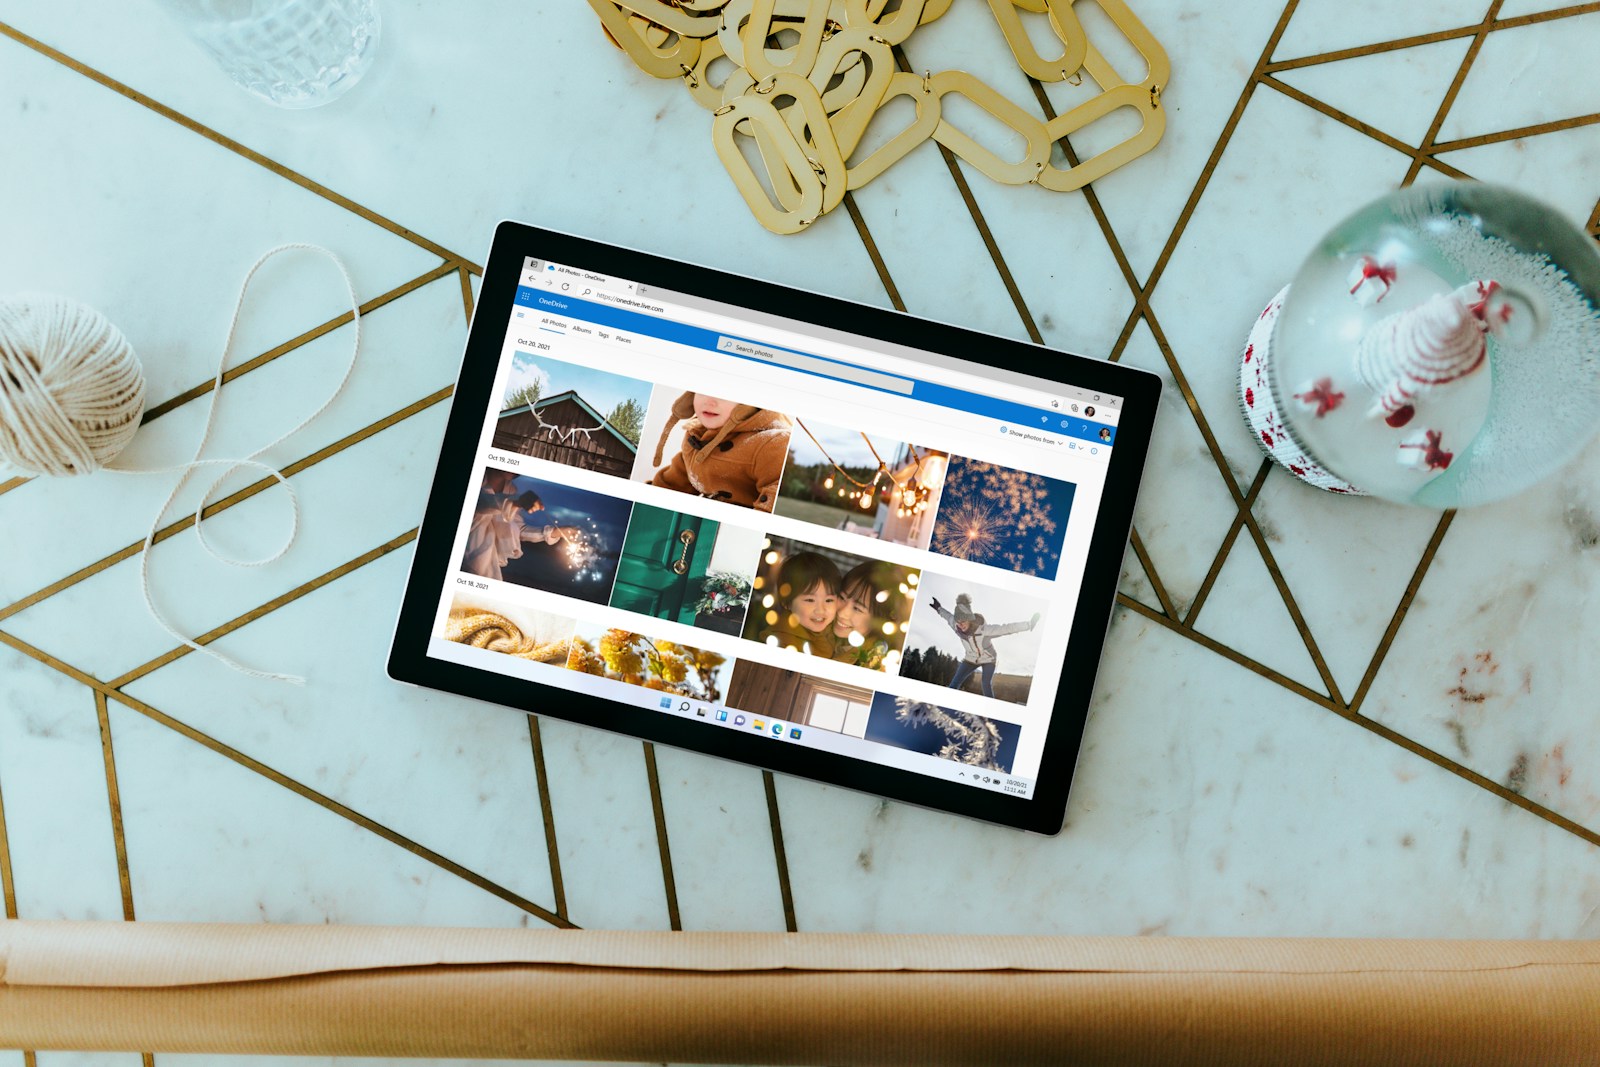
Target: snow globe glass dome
(1439,347)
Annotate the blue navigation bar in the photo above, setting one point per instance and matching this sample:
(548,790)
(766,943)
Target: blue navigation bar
(1014,416)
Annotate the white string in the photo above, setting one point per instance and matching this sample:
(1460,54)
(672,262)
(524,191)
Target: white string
(230,465)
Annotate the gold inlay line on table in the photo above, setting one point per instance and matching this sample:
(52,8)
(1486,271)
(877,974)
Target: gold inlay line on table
(279,778)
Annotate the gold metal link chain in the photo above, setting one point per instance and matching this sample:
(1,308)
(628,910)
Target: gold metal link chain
(809,76)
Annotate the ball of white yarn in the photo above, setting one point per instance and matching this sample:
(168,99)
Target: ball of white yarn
(71,388)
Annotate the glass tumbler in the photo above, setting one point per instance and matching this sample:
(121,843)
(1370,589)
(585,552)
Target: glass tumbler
(292,53)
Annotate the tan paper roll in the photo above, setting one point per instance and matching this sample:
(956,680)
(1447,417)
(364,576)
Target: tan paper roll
(796,998)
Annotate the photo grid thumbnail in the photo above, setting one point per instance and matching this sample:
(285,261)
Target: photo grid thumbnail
(975,638)
(799,698)
(861,483)
(959,736)
(687,569)
(545,535)
(572,414)
(837,605)
(510,629)
(1001,517)
(653,663)
(713,447)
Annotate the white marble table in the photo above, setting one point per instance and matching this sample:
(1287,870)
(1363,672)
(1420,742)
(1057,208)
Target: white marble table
(1316,716)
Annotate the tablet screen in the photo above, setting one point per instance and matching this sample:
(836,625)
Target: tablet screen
(776,528)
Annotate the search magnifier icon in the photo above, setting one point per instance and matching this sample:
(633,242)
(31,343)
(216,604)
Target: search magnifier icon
(684,706)
(586,292)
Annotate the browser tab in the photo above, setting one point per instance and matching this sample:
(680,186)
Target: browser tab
(575,280)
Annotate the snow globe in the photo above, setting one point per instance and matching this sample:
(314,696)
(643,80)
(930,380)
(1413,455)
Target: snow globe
(1440,347)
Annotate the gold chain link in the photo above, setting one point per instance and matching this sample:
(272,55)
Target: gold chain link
(809,76)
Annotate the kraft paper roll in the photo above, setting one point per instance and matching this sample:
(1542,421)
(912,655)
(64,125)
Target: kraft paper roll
(795,998)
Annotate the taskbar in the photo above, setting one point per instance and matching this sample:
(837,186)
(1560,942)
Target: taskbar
(775,730)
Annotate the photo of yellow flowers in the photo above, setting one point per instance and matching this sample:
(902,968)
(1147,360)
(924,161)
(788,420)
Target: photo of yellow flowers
(653,663)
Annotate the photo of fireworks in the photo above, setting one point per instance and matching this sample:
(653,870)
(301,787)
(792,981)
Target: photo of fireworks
(1002,517)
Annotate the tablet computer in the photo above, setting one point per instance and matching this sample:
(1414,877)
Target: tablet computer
(776,527)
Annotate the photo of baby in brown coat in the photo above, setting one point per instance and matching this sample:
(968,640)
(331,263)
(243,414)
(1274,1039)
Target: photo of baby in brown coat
(726,450)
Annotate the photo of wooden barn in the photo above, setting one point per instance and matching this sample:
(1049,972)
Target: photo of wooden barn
(564,428)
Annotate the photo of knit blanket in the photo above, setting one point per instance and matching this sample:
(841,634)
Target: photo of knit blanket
(508,629)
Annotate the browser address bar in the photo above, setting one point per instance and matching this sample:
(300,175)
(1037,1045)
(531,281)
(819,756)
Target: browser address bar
(777,357)
(623,300)
(814,365)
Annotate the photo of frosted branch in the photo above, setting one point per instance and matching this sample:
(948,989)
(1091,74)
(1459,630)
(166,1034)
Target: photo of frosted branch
(958,736)
(1002,517)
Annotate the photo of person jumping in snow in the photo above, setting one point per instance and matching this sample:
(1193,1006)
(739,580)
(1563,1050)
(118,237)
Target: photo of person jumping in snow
(976,635)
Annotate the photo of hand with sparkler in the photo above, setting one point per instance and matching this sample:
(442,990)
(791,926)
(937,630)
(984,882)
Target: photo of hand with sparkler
(545,535)
(862,483)
(1002,517)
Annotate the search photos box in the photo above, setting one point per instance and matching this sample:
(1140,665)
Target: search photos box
(814,365)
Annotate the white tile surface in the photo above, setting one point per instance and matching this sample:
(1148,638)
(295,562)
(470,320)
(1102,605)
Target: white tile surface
(1472,674)
(1396,92)
(1262,211)
(350,502)
(346,520)
(605,828)
(1557,167)
(1184,508)
(1246,612)
(725,873)
(1062,265)
(1135,582)
(210,840)
(1328,25)
(57,815)
(598,148)
(1193,812)
(453,775)
(1518,8)
(135,197)
(1348,562)
(1527,76)
(47,527)
(1212,59)
(931,247)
